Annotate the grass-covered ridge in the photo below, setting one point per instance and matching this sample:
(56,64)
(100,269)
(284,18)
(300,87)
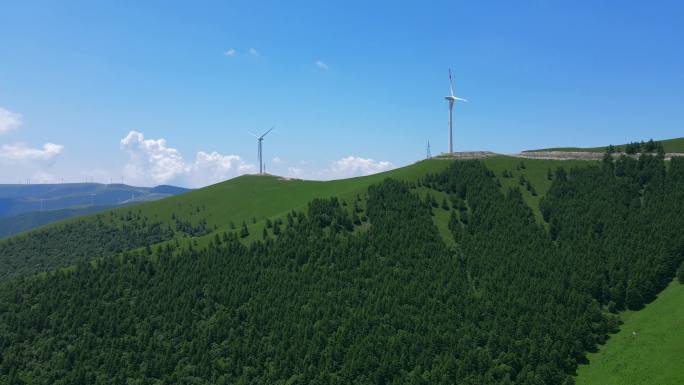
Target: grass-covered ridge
(669,145)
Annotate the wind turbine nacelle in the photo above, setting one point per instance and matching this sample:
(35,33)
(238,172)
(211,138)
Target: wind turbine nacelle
(454,98)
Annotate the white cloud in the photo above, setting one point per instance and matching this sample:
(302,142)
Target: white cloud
(349,167)
(295,172)
(21,152)
(214,167)
(277,160)
(153,161)
(321,65)
(9,120)
(253,52)
(355,166)
(230,52)
(151,158)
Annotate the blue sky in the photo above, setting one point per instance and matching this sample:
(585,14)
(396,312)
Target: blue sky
(353,87)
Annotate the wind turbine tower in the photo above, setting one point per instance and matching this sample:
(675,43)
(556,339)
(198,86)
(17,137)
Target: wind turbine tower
(452,99)
(260,139)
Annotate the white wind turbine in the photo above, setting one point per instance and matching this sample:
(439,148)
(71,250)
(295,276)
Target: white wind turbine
(451,99)
(260,139)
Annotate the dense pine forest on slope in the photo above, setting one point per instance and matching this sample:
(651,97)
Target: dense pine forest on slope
(625,222)
(83,240)
(364,289)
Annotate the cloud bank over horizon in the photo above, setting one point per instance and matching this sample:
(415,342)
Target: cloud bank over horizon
(22,152)
(18,159)
(347,167)
(153,160)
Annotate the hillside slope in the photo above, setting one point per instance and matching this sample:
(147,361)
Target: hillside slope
(367,295)
(200,214)
(448,276)
(249,200)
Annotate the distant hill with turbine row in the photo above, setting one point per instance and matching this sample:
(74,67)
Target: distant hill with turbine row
(23,207)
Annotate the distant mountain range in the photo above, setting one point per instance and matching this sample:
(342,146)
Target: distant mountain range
(23,207)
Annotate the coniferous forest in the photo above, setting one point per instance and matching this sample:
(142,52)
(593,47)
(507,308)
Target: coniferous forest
(332,300)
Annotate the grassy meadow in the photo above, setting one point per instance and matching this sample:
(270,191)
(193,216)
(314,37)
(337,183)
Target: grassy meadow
(648,350)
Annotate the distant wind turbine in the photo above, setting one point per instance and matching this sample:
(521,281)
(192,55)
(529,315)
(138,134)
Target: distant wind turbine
(260,139)
(451,99)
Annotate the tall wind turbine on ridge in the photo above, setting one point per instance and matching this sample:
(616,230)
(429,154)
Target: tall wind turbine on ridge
(260,139)
(451,99)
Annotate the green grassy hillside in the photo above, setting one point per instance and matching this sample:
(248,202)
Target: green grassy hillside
(258,197)
(670,145)
(251,198)
(197,217)
(648,350)
(374,256)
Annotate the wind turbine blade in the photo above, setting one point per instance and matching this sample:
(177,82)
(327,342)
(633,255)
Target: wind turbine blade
(461,99)
(269,130)
(451,83)
(254,135)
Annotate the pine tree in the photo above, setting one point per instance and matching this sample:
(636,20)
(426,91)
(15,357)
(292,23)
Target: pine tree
(244,232)
(633,297)
(445,205)
(355,218)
